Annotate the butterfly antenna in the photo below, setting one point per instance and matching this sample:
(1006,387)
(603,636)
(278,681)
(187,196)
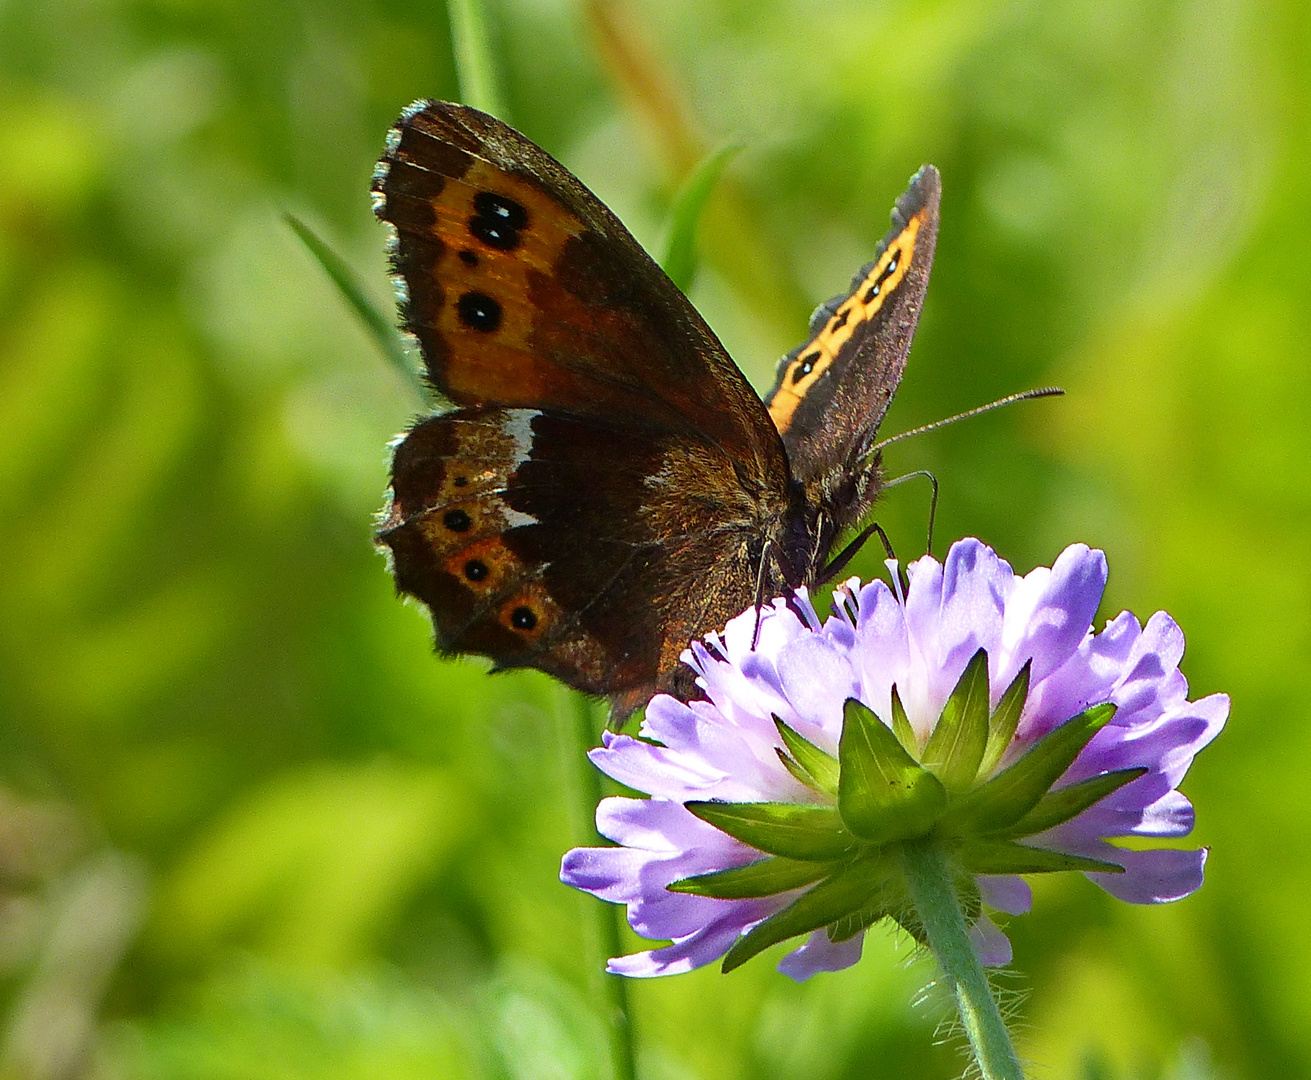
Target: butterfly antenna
(1027,395)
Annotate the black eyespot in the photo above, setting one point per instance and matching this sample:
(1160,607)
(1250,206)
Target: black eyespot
(475,570)
(460,481)
(479,311)
(501,207)
(468,257)
(806,366)
(870,293)
(840,320)
(497,220)
(456,520)
(494,234)
(523,618)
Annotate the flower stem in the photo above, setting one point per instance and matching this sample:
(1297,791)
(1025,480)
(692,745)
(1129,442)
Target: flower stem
(614,988)
(938,908)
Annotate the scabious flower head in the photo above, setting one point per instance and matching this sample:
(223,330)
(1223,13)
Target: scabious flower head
(976,710)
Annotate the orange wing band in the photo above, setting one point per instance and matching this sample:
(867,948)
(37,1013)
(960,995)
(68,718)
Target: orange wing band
(862,305)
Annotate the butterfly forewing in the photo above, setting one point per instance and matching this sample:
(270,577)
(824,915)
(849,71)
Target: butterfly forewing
(523,289)
(831,393)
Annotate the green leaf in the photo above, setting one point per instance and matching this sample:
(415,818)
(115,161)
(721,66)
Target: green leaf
(680,256)
(812,833)
(1001,728)
(884,794)
(901,725)
(1016,790)
(1007,857)
(379,327)
(765,877)
(798,773)
(819,770)
(955,748)
(848,890)
(1057,807)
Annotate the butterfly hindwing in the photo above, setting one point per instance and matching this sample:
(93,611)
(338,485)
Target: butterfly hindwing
(534,538)
(831,393)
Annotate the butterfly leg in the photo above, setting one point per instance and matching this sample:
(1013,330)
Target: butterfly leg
(771,553)
(761,577)
(840,560)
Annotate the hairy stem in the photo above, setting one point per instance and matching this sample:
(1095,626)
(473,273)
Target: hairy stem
(938,908)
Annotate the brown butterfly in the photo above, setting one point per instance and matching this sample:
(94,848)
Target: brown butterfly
(608,486)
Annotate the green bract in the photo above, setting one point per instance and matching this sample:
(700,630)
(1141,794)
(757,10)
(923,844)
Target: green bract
(884,790)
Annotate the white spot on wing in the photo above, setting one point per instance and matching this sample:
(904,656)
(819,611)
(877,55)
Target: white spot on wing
(519,426)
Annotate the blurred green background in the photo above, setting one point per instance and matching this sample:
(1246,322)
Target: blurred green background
(250,828)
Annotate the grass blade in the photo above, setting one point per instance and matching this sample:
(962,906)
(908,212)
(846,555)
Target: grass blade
(375,323)
(680,255)
(474,66)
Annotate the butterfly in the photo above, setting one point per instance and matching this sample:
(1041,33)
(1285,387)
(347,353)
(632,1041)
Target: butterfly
(605,485)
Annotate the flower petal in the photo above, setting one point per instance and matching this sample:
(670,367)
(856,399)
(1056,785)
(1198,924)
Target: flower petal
(693,951)
(975,585)
(1049,613)
(820,954)
(660,826)
(1005,892)
(1146,672)
(817,678)
(656,770)
(1152,877)
(991,946)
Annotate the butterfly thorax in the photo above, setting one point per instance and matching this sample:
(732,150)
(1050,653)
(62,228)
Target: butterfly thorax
(846,496)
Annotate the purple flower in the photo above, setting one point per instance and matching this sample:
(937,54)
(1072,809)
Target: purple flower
(978,712)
